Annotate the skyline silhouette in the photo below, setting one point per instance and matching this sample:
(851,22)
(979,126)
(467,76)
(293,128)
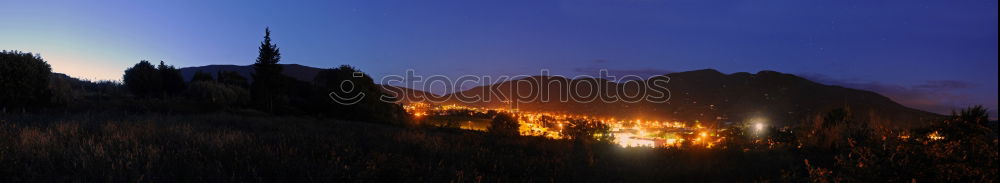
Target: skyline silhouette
(498,91)
(933,55)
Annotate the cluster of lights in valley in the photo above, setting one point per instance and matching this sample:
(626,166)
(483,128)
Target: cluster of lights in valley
(627,132)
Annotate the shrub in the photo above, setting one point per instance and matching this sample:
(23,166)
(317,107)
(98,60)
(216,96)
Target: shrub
(24,80)
(63,89)
(589,130)
(368,107)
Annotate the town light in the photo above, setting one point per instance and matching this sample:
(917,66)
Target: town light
(758,126)
(627,132)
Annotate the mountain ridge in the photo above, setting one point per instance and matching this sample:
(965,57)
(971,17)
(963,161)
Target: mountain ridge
(702,95)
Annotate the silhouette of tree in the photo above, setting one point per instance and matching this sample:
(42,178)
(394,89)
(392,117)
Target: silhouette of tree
(24,80)
(331,83)
(584,133)
(173,81)
(969,124)
(588,131)
(967,146)
(975,114)
(960,149)
(504,125)
(201,76)
(266,87)
(143,79)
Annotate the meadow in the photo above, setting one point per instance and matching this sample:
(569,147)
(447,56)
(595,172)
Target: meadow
(102,147)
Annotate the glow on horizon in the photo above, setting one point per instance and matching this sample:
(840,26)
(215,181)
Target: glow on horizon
(98,41)
(71,58)
(71,46)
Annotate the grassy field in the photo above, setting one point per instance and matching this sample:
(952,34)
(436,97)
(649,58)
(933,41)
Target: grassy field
(231,148)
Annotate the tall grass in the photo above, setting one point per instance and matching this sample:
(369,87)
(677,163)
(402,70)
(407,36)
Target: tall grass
(230,148)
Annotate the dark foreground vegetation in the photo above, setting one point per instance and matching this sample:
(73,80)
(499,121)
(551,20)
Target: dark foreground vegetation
(222,147)
(100,147)
(156,127)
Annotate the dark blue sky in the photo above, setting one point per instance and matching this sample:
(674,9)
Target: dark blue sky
(933,55)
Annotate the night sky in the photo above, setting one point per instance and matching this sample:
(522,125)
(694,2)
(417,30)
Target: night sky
(933,55)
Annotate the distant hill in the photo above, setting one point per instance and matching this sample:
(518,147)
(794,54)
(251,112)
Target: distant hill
(406,94)
(300,72)
(710,96)
(705,95)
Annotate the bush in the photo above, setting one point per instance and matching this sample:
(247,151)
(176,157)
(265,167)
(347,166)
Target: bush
(504,125)
(589,130)
(63,89)
(960,149)
(24,80)
(369,107)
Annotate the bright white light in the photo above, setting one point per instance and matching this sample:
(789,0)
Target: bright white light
(759,126)
(629,140)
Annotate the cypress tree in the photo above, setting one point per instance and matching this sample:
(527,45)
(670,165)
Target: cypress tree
(266,88)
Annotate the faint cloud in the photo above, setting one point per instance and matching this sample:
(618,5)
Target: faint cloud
(599,64)
(945,85)
(938,96)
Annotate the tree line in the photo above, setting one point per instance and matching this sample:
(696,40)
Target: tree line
(24,80)
(25,84)
(268,89)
